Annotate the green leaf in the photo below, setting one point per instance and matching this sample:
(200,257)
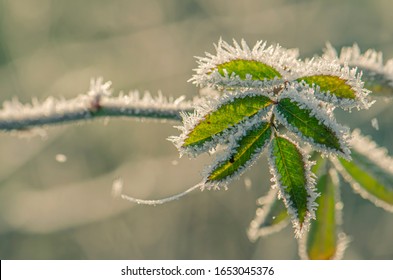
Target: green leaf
(322,240)
(312,126)
(370,180)
(248,147)
(291,173)
(242,67)
(225,116)
(330,84)
(378,83)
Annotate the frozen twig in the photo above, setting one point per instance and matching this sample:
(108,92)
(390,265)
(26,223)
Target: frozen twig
(98,102)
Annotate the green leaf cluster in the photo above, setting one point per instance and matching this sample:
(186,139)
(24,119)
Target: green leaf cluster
(271,100)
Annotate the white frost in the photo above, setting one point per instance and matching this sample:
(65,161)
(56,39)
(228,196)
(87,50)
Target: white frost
(307,101)
(191,120)
(371,60)
(300,228)
(231,149)
(18,116)
(330,67)
(275,56)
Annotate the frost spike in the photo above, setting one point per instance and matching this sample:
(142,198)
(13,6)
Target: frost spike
(303,117)
(239,66)
(242,68)
(244,153)
(377,77)
(291,174)
(225,116)
(334,83)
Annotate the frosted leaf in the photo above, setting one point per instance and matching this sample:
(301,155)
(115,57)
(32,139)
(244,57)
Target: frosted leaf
(301,114)
(378,77)
(230,65)
(244,148)
(213,122)
(292,176)
(334,83)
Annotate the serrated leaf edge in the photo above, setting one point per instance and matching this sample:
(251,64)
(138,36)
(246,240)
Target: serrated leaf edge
(371,60)
(191,120)
(307,101)
(328,67)
(275,56)
(232,144)
(310,188)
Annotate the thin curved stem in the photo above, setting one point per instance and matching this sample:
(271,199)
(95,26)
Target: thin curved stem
(162,200)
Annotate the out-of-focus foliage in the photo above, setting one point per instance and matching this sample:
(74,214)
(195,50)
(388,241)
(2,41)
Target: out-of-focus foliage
(54,210)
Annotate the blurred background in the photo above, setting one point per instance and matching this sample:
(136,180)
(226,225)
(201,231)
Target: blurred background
(55,191)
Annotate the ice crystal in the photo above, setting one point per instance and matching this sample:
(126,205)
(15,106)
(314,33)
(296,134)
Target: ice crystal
(232,138)
(191,120)
(18,116)
(370,60)
(280,59)
(325,118)
(331,68)
(300,228)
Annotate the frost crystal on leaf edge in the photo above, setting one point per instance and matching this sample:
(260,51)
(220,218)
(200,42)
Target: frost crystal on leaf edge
(310,188)
(232,139)
(277,57)
(202,109)
(309,102)
(371,60)
(329,67)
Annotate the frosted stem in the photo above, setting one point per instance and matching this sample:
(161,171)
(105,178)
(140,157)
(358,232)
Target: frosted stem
(97,103)
(163,200)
